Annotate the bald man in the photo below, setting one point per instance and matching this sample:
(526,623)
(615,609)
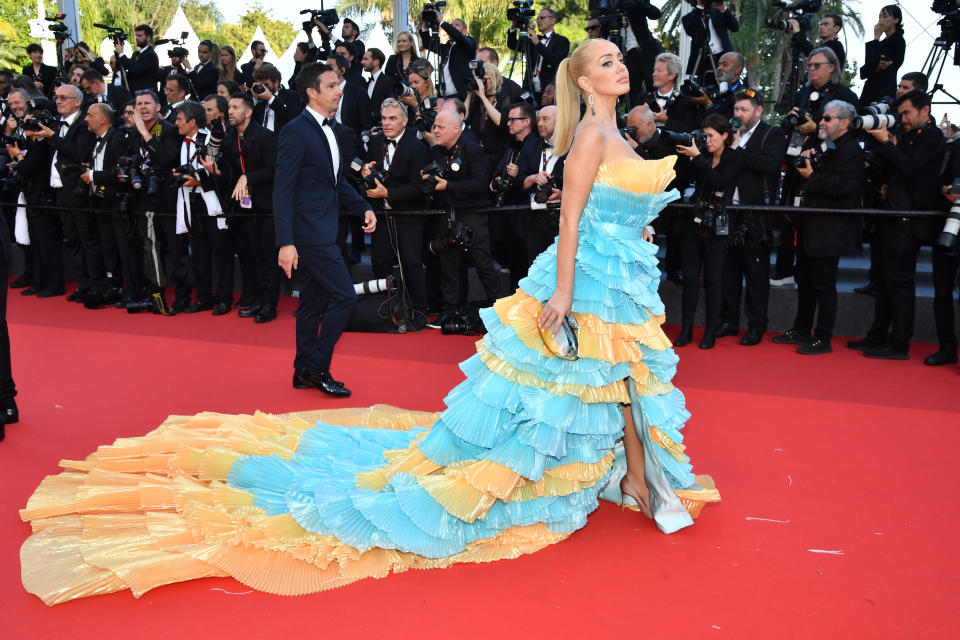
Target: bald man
(542,172)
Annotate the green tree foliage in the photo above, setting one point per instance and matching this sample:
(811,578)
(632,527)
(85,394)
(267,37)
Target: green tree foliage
(126,14)
(279,33)
(15,32)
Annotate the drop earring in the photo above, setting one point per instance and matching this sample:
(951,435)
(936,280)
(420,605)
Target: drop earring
(590,102)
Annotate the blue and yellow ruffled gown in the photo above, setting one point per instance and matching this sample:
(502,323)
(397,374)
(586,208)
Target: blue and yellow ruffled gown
(298,503)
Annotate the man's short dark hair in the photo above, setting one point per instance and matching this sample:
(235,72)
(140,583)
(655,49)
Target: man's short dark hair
(309,78)
(179,80)
(257,43)
(349,46)
(837,20)
(755,97)
(145,28)
(208,44)
(377,55)
(342,63)
(492,52)
(303,47)
(92,75)
(219,99)
(266,71)
(526,111)
(193,111)
(918,78)
(917,98)
(245,97)
(7,73)
(33,46)
(147,92)
(351,22)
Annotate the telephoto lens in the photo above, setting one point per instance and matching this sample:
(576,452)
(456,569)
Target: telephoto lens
(873,122)
(951,228)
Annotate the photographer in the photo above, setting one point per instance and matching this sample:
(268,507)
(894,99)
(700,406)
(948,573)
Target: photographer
(354,108)
(510,89)
(141,69)
(640,45)
(883,58)
(542,174)
(708,24)
(249,160)
(486,114)
(70,145)
(729,82)
(677,112)
(42,75)
(199,214)
(175,90)
(354,73)
(82,56)
(705,233)
(829,28)
(176,68)
(912,81)
(97,90)
(824,84)
(257,51)
(831,179)
(275,106)
(946,265)
(547,50)
(763,148)
(463,188)
(350,33)
(911,162)
(397,156)
(206,74)
(455,79)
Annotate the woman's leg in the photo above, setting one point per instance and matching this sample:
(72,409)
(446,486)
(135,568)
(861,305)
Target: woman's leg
(634,484)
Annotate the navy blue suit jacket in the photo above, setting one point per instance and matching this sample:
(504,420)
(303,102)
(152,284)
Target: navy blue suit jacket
(307,195)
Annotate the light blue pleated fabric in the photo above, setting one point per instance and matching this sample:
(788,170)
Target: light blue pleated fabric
(489,417)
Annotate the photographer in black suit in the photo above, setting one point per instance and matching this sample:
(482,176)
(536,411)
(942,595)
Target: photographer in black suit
(547,50)
(455,79)
(708,24)
(762,147)
(641,47)
(398,155)
(70,146)
(828,30)
(176,89)
(206,74)
(350,32)
(464,187)
(275,106)
(97,90)
(832,179)
(911,161)
(141,69)
(257,51)
(677,112)
(248,164)
(946,264)
(541,171)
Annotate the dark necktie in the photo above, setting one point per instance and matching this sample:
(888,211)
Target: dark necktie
(101,142)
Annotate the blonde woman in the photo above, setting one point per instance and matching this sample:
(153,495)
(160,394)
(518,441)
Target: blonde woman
(228,64)
(516,462)
(487,110)
(398,65)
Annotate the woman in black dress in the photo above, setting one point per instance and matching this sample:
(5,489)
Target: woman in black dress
(883,57)
(398,64)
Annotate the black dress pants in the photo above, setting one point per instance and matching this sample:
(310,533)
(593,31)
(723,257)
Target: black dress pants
(706,254)
(749,262)
(109,252)
(244,241)
(326,291)
(640,68)
(816,291)
(945,267)
(787,251)
(266,267)
(44,228)
(403,234)
(211,251)
(124,231)
(171,252)
(896,291)
(7,388)
(82,241)
(541,230)
(453,288)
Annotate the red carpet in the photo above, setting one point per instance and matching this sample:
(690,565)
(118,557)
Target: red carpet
(836,474)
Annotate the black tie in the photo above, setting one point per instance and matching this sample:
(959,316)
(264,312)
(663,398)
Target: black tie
(391,142)
(328,122)
(100,144)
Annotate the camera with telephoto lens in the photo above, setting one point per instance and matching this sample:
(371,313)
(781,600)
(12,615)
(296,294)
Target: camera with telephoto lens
(356,165)
(882,108)
(816,161)
(793,120)
(477,67)
(128,172)
(428,114)
(43,111)
(543,193)
(155,304)
(401,90)
(187,171)
(951,228)
(457,234)
(520,13)
(692,89)
(328,17)
(872,122)
(214,140)
(675,139)
(430,16)
(432,173)
(68,170)
(711,215)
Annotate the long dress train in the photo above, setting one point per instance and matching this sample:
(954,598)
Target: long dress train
(298,503)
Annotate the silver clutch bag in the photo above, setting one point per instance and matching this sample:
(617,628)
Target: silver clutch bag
(564,345)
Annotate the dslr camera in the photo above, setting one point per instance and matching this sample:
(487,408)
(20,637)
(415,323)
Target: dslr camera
(793,120)
(428,113)
(434,171)
(178,52)
(711,214)
(477,67)
(457,234)
(376,173)
(542,194)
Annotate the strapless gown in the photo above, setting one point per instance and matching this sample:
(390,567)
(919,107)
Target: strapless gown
(299,503)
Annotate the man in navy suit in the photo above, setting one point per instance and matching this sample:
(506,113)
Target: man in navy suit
(308,189)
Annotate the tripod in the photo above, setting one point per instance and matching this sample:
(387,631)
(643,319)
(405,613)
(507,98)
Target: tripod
(404,314)
(433,46)
(937,58)
(525,52)
(791,83)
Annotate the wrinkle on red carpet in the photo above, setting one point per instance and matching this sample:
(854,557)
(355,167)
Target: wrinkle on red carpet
(838,515)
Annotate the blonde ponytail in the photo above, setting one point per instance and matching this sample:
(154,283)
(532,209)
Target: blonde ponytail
(568,95)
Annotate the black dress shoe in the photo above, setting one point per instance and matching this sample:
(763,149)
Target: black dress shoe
(180,306)
(321,381)
(77,296)
(752,338)
(47,293)
(869,289)
(792,336)
(266,314)
(686,335)
(20,283)
(196,307)
(244,302)
(221,309)
(9,413)
(94,300)
(941,357)
(886,353)
(30,291)
(249,312)
(724,329)
(866,343)
(815,348)
(709,340)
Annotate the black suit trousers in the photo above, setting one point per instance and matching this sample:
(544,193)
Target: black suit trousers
(109,251)
(541,230)
(816,291)
(254,240)
(326,290)
(7,388)
(82,241)
(896,290)
(707,255)
(640,69)
(244,240)
(210,249)
(125,240)
(44,228)
(403,234)
(452,288)
(749,263)
(945,267)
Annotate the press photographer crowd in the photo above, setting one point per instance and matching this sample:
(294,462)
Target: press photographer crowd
(152,179)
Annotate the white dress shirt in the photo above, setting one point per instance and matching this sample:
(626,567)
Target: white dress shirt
(55,181)
(331,142)
(343,83)
(373,83)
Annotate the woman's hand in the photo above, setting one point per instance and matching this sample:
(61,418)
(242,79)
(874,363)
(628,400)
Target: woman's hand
(555,311)
(691,152)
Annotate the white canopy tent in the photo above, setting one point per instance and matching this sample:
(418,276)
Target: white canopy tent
(271,56)
(178,26)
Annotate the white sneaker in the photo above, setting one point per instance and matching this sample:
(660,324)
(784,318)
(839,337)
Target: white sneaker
(783,282)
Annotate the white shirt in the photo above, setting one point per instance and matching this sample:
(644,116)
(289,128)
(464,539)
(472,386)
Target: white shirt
(98,157)
(373,83)
(551,160)
(391,151)
(447,78)
(331,142)
(544,40)
(269,117)
(55,181)
(629,39)
(715,45)
(662,99)
(339,104)
(188,155)
(744,139)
